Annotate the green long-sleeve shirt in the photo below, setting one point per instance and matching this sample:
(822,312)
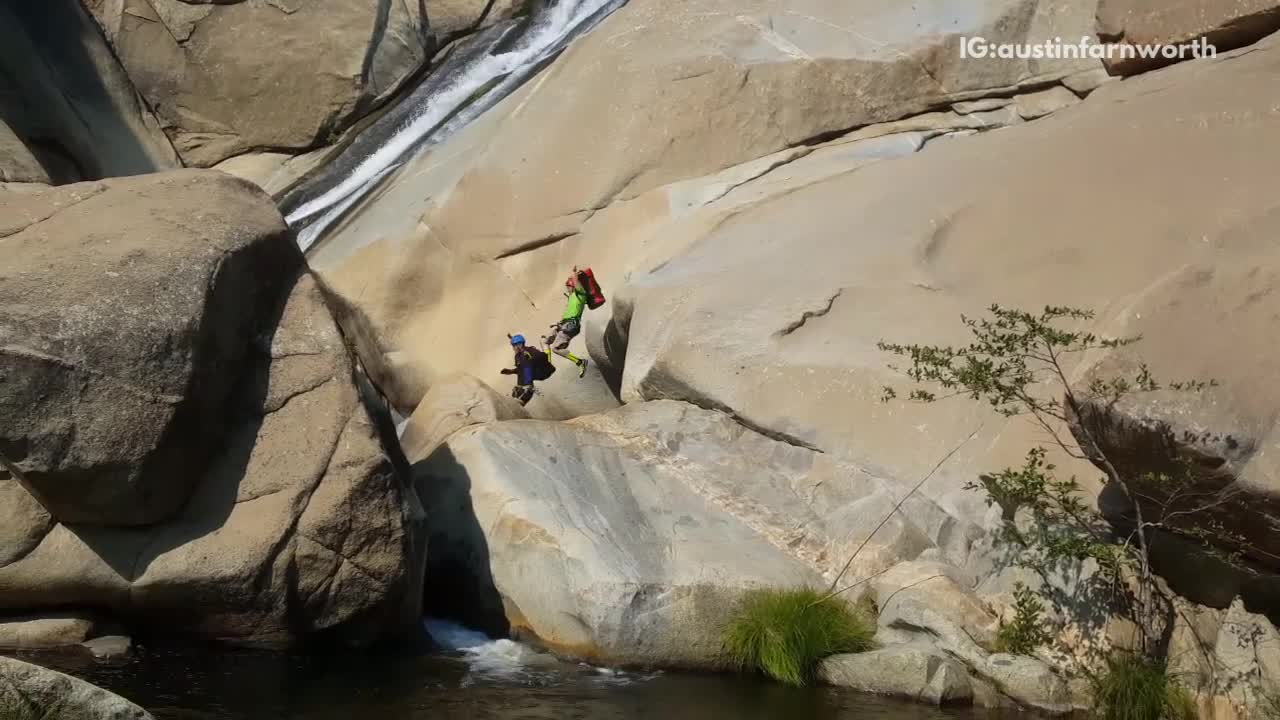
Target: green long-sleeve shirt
(577,303)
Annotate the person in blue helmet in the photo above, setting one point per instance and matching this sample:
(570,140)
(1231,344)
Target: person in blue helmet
(530,365)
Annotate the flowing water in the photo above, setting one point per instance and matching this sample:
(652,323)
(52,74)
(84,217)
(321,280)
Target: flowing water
(474,678)
(469,81)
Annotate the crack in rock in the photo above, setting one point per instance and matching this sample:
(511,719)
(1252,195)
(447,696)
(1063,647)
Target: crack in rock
(810,314)
(535,244)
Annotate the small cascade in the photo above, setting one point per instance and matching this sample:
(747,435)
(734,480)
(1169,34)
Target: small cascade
(464,86)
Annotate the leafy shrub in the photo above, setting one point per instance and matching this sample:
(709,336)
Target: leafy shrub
(785,633)
(1026,632)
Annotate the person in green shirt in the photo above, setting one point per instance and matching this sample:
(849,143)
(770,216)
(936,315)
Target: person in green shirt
(570,324)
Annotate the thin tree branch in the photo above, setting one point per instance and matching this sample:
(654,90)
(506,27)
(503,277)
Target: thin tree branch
(831,592)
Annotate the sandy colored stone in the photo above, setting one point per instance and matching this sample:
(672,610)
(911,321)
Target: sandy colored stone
(23,522)
(225,79)
(954,612)
(31,692)
(447,19)
(109,647)
(1032,684)
(127,311)
(997,228)
(481,231)
(268,548)
(451,405)
(45,630)
(1226,25)
(274,172)
(600,541)
(1038,104)
(917,672)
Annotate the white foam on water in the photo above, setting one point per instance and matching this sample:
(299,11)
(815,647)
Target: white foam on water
(550,28)
(311,233)
(499,659)
(508,661)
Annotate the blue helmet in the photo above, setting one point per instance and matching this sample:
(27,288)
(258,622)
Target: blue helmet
(517,339)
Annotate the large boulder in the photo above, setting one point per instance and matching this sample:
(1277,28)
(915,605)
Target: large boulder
(226,78)
(455,403)
(128,309)
(482,230)
(170,366)
(267,549)
(918,672)
(626,536)
(31,692)
(67,97)
(1159,23)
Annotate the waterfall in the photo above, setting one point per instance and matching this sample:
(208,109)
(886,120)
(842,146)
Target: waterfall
(469,82)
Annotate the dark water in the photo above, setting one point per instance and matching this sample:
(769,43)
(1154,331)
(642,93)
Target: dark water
(258,686)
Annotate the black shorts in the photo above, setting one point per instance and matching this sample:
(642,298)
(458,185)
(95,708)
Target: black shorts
(567,331)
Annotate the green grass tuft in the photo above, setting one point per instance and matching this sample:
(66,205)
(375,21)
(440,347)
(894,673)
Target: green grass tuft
(786,633)
(1134,688)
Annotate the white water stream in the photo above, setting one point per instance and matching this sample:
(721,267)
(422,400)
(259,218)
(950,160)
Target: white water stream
(444,110)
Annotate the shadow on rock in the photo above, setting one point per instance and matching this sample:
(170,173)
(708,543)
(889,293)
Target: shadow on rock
(459,583)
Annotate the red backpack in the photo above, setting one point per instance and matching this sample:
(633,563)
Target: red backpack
(587,281)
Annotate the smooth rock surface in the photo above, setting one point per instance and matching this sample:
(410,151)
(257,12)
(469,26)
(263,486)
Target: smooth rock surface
(801,345)
(450,405)
(45,631)
(657,95)
(916,672)
(31,692)
(1031,683)
(448,19)
(109,647)
(604,542)
(1038,104)
(908,586)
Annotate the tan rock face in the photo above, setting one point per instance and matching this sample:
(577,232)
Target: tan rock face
(473,240)
(44,631)
(450,405)
(260,75)
(448,19)
(127,311)
(168,364)
(69,99)
(612,118)
(276,502)
(30,691)
(1023,217)
(601,539)
(664,508)
(1227,25)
